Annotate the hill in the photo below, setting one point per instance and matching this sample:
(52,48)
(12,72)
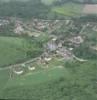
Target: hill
(48,50)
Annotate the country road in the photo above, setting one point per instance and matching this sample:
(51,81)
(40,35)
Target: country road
(79,59)
(29,61)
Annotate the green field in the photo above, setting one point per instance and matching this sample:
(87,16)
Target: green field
(4,76)
(69,9)
(14,50)
(75,80)
(31,78)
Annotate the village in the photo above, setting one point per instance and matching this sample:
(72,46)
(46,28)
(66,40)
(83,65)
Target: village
(58,46)
(48,49)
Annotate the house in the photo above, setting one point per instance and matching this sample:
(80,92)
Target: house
(18,29)
(65,53)
(4,22)
(18,70)
(68,21)
(77,40)
(52,46)
(95,28)
(31,68)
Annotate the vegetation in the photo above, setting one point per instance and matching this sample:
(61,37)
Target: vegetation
(23,9)
(15,50)
(4,77)
(74,81)
(69,9)
(69,72)
(84,51)
(45,9)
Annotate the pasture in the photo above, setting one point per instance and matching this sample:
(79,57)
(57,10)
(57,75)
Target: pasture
(15,50)
(75,79)
(37,77)
(32,78)
(22,88)
(4,77)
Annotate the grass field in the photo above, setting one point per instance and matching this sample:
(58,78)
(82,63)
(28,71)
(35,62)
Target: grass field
(14,50)
(69,9)
(76,79)
(4,76)
(32,78)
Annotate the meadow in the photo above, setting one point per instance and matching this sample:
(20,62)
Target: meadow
(15,50)
(4,76)
(74,81)
(31,78)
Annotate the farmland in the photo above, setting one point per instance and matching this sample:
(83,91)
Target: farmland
(69,9)
(90,9)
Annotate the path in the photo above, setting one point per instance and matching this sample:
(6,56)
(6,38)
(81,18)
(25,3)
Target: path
(29,61)
(79,59)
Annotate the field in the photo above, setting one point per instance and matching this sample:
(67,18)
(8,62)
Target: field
(13,0)
(31,78)
(90,9)
(69,9)
(4,76)
(14,50)
(76,80)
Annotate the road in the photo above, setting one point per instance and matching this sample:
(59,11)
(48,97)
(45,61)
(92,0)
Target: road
(26,62)
(79,59)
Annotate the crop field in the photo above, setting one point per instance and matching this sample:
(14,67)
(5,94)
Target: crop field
(14,50)
(69,9)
